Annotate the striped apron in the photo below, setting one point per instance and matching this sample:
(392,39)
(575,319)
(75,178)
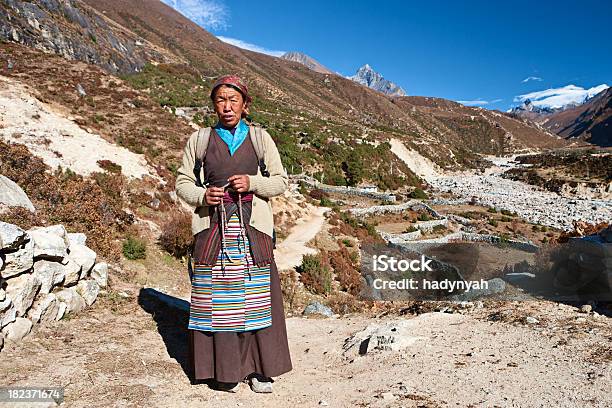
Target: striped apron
(228,296)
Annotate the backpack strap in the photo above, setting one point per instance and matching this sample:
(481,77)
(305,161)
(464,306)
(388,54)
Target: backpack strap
(201,146)
(257,141)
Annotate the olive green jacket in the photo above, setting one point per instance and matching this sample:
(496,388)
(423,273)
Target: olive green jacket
(262,187)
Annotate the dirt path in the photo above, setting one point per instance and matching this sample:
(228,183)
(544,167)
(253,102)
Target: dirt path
(290,251)
(132,352)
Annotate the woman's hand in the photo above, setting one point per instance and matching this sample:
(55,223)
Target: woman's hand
(213,195)
(239,182)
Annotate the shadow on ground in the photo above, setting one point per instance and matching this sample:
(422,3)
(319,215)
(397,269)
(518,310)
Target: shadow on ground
(171,315)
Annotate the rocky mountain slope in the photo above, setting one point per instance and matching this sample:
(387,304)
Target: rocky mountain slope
(306,61)
(72,29)
(591,120)
(587,116)
(372,79)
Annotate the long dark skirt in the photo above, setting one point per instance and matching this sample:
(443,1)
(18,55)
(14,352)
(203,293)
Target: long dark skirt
(231,356)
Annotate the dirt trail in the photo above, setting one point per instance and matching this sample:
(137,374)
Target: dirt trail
(132,352)
(290,251)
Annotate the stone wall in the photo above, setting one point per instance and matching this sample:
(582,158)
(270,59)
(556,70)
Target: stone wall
(45,273)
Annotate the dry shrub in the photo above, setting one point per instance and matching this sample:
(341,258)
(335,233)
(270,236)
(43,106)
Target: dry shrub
(93,205)
(343,303)
(315,273)
(346,270)
(176,237)
(318,194)
(22,217)
(289,286)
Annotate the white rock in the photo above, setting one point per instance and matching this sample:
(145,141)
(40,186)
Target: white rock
(11,236)
(99,273)
(531,320)
(77,238)
(89,290)
(72,272)
(73,301)
(5,304)
(22,290)
(392,336)
(8,316)
(48,245)
(61,310)
(83,256)
(19,261)
(11,195)
(49,273)
(57,229)
(44,309)
(18,329)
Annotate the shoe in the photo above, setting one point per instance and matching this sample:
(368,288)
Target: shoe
(227,387)
(262,385)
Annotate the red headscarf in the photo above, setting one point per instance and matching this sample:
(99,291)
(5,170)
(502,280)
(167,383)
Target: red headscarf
(236,82)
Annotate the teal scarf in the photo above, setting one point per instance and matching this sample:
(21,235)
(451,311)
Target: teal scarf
(233,141)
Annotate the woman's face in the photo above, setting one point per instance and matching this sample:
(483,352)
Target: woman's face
(229,105)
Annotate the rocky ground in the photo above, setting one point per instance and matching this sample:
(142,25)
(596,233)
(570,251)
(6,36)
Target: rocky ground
(130,350)
(531,203)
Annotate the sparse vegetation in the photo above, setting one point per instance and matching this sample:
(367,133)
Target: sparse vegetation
(315,276)
(134,248)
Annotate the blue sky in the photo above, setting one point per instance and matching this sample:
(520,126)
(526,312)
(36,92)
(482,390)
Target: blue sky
(487,52)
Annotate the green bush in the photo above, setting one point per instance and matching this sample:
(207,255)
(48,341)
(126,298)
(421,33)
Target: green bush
(492,210)
(424,217)
(418,194)
(492,222)
(134,248)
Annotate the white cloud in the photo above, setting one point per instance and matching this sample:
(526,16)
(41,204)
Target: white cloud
(210,14)
(475,102)
(559,97)
(531,78)
(248,46)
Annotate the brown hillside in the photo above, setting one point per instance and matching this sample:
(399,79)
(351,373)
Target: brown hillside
(591,120)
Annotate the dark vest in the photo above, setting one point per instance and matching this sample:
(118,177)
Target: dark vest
(218,167)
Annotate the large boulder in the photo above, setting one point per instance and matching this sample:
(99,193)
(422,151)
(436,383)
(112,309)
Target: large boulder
(44,309)
(9,314)
(89,290)
(71,298)
(61,310)
(22,290)
(49,273)
(77,238)
(48,244)
(18,261)
(11,237)
(99,273)
(72,272)
(83,256)
(11,195)
(317,308)
(18,329)
(57,229)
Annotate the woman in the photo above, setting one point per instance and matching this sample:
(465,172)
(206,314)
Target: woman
(236,321)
